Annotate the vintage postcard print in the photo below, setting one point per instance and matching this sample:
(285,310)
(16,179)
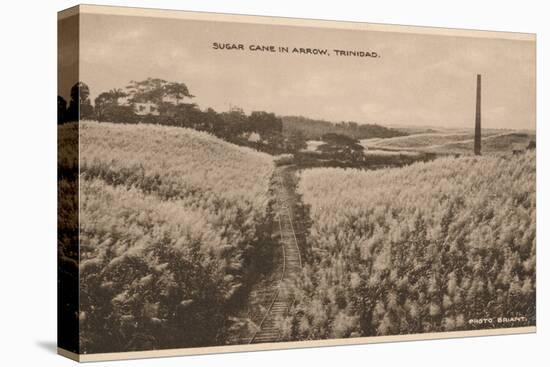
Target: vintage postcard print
(235,183)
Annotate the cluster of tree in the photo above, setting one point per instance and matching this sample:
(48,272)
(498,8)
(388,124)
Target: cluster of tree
(260,130)
(117,105)
(341,147)
(79,107)
(315,129)
(426,248)
(264,131)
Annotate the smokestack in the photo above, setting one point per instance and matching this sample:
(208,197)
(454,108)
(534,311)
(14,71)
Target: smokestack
(477,138)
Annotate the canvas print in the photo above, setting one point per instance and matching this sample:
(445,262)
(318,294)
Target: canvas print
(241,183)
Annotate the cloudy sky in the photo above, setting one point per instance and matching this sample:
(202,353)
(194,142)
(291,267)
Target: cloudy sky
(417,80)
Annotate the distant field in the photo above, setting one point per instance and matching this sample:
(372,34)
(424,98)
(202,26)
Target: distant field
(490,144)
(493,141)
(459,143)
(422,140)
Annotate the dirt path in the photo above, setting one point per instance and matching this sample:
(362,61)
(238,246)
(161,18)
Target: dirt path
(291,260)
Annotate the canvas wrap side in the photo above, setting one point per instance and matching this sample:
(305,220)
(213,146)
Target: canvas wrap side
(67,186)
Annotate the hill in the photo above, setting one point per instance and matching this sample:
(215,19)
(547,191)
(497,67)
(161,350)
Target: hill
(423,248)
(493,141)
(314,129)
(171,219)
(424,140)
(499,143)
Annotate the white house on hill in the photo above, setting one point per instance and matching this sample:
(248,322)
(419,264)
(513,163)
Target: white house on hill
(146,108)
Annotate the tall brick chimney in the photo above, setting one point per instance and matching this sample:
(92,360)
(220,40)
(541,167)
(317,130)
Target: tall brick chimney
(477,138)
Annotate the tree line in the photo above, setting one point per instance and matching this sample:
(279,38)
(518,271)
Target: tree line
(314,129)
(170,101)
(157,101)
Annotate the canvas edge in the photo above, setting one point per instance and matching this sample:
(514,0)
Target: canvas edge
(64,289)
(67,354)
(98,357)
(287,21)
(69,12)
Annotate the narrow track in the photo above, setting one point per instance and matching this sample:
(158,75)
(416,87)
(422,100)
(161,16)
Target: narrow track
(292,262)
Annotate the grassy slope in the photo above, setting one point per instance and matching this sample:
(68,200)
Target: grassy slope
(461,143)
(490,144)
(423,140)
(177,212)
(416,249)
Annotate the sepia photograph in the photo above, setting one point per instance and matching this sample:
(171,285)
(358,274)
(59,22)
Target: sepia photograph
(232,183)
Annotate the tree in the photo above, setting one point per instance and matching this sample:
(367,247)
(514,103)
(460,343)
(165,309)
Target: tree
(80,107)
(212,121)
(107,107)
(295,141)
(270,128)
(183,115)
(148,90)
(235,122)
(177,91)
(342,147)
(101,103)
(265,123)
(162,93)
(117,94)
(61,109)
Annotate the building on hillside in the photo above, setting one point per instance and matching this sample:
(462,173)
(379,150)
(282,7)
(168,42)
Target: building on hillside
(146,108)
(141,108)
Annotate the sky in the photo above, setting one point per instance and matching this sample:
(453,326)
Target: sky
(417,79)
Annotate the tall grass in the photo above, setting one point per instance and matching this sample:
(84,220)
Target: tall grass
(424,248)
(171,219)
